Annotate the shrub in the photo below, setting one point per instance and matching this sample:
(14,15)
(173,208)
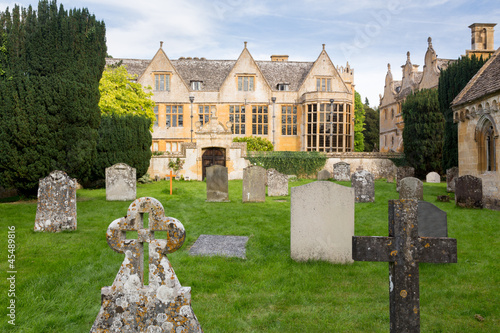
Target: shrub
(256,143)
(300,163)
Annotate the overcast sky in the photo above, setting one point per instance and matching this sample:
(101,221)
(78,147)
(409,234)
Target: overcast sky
(368,34)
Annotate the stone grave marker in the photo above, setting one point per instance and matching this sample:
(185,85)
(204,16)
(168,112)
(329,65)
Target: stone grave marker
(324,175)
(404,249)
(342,171)
(277,183)
(322,222)
(433,177)
(364,186)
(432,221)
(216,245)
(469,192)
(56,208)
(451,176)
(131,306)
(402,173)
(120,183)
(217,184)
(411,188)
(254,184)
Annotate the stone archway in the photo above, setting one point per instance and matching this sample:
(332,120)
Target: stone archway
(212,156)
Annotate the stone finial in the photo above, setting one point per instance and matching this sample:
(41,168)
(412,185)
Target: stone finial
(388,67)
(408,55)
(245,44)
(323,47)
(161,44)
(429,41)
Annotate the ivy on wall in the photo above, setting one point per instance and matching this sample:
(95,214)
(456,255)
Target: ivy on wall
(300,163)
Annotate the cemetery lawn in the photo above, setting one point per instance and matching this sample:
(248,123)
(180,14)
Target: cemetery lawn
(59,276)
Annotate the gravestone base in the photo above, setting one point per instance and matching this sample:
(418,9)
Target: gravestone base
(216,245)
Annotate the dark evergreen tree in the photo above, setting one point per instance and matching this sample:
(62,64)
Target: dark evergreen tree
(49,93)
(123,139)
(451,82)
(423,131)
(371,131)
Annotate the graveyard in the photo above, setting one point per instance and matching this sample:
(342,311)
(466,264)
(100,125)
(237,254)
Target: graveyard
(60,275)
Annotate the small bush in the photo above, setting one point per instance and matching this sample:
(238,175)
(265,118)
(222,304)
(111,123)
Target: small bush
(256,143)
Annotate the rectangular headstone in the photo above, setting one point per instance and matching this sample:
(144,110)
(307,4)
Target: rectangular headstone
(56,208)
(254,184)
(277,183)
(217,184)
(469,192)
(402,173)
(451,175)
(322,222)
(432,221)
(217,245)
(324,175)
(411,188)
(120,183)
(364,186)
(342,171)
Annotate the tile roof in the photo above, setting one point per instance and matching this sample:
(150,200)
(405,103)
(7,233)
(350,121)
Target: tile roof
(290,72)
(212,73)
(485,82)
(134,66)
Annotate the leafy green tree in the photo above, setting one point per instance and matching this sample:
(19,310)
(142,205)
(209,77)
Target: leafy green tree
(52,61)
(359,121)
(120,95)
(371,131)
(256,143)
(451,82)
(423,131)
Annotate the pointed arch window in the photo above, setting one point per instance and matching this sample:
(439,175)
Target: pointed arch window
(487,141)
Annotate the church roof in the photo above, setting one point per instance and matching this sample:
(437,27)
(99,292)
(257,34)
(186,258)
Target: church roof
(485,82)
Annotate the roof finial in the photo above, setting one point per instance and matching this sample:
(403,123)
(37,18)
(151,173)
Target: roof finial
(245,44)
(161,44)
(389,67)
(408,55)
(429,40)
(323,47)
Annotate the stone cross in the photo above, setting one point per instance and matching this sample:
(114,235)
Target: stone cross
(129,305)
(404,249)
(170,176)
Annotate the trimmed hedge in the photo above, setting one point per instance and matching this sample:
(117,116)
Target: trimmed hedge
(300,163)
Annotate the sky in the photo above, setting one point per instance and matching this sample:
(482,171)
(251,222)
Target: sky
(368,34)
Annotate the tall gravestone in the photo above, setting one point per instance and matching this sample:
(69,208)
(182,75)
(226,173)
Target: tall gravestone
(451,176)
(364,186)
(322,222)
(323,175)
(277,183)
(342,171)
(120,183)
(402,173)
(433,177)
(217,184)
(469,192)
(432,221)
(129,305)
(254,184)
(411,188)
(56,208)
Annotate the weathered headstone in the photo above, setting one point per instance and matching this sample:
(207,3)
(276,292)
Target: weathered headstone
(433,177)
(432,221)
(451,176)
(411,188)
(469,192)
(120,183)
(364,186)
(131,306)
(443,198)
(342,171)
(254,184)
(277,183)
(56,208)
(402,173)
(322,222)
(404,249)
(217,245)
(217,184)
(323,175)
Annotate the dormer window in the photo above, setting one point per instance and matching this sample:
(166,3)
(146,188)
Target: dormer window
(283,86)
(196,85)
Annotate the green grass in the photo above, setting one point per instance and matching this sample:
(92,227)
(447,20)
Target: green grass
(59,276)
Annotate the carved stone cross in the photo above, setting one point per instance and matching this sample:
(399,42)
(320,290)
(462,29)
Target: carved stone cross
(403,249)
(163,305)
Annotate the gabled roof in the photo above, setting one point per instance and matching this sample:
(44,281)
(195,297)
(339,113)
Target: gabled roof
(211,72)
(134,66)
(289,72)
(485,82)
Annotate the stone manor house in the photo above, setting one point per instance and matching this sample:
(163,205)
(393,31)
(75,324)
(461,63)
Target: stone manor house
(395,91)
(201,105)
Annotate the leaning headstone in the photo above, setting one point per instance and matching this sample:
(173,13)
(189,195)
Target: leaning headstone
(120,183)
(451,176)
(216,245)
(404,249)
(277,183)
(217,184)
(432,221)
(411,188)
(469,192)
(324,175)
(254,184)
(322,222)
(342,171)
(129,305)
(433,177)
(364,186)
(56,208)
(402,173)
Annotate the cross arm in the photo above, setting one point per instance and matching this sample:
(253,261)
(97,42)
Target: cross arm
(373,249)
(438,250)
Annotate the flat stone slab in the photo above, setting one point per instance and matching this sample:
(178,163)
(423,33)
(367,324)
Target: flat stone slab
(217,245)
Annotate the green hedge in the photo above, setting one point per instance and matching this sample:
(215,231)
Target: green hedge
(300,163)
(256,143)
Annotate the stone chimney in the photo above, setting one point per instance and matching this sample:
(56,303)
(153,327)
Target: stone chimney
(279,58)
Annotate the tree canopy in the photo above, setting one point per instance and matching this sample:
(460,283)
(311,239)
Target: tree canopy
(371,131)
(359,121)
